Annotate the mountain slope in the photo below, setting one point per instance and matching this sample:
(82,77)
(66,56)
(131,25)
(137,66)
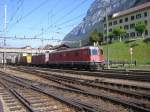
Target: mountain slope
(94,17)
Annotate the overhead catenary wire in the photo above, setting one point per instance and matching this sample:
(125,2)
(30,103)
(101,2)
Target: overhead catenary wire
(70,20)
(59,26)
(63,23)
(20,2)
(54,14)
(54,5)
(109,3)
(61,18)
(30,12)
(33,10)
(24,38)
(63,8)
(71,11)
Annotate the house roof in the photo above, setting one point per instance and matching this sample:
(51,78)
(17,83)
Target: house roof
(132,10)
(61,47)
(47,47)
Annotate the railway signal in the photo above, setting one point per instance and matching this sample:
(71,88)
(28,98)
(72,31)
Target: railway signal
(131,55)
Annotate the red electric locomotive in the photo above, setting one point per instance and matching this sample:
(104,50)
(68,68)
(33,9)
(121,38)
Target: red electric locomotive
(85,57)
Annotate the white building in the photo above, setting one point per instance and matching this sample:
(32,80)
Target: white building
(128,19)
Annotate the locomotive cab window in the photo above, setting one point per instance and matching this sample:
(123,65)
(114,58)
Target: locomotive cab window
(94,52)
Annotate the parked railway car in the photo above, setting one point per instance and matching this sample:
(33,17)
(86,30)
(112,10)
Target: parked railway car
(82,58)
(85,57)
(40,60)
(25,60)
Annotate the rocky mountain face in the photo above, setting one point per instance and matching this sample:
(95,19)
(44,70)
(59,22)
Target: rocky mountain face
(94,17)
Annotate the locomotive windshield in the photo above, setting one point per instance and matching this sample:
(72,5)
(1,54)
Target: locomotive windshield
(94,52)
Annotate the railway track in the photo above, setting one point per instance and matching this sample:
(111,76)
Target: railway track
(75,75)
(32,98)
(134,75)
(82,86)
(11,101)
(61,95)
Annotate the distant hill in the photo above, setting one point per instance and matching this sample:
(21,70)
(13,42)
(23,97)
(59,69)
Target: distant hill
(94,16)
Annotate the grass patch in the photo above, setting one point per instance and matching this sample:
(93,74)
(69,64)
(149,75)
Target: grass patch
(120,51)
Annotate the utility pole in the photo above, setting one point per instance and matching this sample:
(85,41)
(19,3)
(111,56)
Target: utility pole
(107,38)
(42,37)
(5,30)
(80,43)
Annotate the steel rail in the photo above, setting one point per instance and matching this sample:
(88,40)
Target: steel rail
(112,99)
(111,74)
(74,103)
(19,97)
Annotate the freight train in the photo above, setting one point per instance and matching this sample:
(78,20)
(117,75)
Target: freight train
(90,58)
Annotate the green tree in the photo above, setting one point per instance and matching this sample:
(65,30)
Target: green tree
(100,37)
(140,27)
(118,32)
(95,37)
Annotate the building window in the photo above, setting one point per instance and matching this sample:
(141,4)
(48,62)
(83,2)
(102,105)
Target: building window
(132,34)
(126,19)
(126,27)
(132,26)
(139,34)
(132,18)
(104,25)
(110,23)
(138,16)
(120,21)
(145,14)
(110,30)
(146,32)
(127,35)
(145,22)
(115,22)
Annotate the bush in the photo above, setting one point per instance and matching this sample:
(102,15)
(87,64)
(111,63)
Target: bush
(129,41)
(134,44)
(147,40)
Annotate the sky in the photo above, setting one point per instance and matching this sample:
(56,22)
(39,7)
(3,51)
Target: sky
(48,19)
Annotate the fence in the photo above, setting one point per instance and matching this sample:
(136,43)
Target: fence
(123,63)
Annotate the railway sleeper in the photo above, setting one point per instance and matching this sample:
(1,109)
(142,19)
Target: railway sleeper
(115,100)
(108,98)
